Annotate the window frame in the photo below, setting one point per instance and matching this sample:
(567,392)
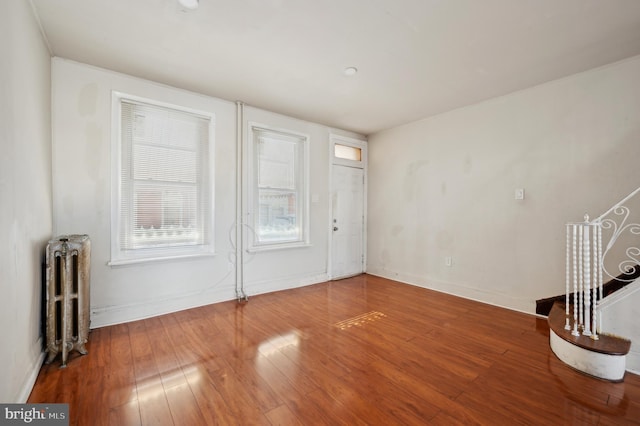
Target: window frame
(351,143)
(253,190)
(120,256)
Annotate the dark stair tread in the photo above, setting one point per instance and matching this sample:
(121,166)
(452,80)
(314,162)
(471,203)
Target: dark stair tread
(543,306)
(606,344)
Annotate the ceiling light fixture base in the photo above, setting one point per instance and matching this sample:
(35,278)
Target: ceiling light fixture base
(350,71)
(189,4)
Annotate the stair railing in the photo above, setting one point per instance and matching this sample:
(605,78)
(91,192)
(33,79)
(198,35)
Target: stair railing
(585,264)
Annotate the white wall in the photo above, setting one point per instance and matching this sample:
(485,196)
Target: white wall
(621,319)
(82,197)
(25,195)
(444,186)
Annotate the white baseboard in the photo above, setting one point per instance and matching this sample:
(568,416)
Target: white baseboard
(33,370)
(460,290)
(118,314)
(285,283)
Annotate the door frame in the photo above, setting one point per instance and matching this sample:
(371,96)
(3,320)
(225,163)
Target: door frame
(362,164)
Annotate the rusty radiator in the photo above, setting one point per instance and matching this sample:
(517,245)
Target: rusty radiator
(67,293)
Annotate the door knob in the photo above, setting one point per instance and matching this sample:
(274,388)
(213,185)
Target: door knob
(335,228)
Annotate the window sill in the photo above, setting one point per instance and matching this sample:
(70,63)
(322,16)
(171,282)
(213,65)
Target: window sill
(276,246)
(155,259)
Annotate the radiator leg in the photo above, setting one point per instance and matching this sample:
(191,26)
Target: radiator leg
(82,349)
(51,355)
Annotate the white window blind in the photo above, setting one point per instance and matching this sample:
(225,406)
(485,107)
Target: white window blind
(165,198)
(279,193)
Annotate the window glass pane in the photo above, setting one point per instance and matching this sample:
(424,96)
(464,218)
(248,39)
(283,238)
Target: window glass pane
(277,216)
(348,152)
(165,198)
(278,187)
(164,216)
(276,168)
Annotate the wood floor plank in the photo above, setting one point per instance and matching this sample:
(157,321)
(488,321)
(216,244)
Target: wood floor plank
(398,405)
(119,375)
(483,405)
(444,419)
(211,404)
(621,410)
(165,358)
(237,397)
(127,414)
(93,401)
(154,407)
(409,356)
(183,406)
(426,391)
(152,399)
(334,411)
(258,389)
(282,416)
(359,403)
(300,381)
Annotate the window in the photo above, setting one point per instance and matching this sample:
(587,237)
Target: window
(347,152)
(164,200)
(278,193)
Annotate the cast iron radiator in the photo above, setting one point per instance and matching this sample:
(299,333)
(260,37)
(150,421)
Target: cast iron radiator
(67,305)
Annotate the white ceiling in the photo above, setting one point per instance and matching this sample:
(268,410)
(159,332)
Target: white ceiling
(416,58)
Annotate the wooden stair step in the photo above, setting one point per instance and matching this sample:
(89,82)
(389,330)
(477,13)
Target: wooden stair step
(606,344)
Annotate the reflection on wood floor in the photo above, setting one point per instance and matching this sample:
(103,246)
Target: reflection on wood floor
(364,350)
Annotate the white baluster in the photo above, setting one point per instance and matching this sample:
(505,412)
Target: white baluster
(580,276)
(586,291)
(597,276)
(575,281)
(567,326)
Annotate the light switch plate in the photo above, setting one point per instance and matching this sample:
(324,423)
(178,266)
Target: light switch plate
(519,194)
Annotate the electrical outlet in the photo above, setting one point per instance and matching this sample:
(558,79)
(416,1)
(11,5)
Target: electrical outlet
(447,261)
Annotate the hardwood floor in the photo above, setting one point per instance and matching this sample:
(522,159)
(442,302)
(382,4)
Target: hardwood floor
(364,350)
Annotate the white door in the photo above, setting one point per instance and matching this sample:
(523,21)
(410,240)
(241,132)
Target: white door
(347,251)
